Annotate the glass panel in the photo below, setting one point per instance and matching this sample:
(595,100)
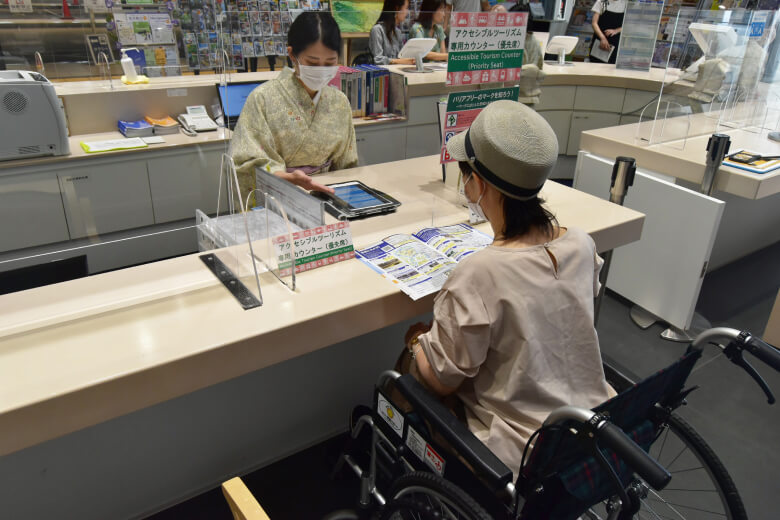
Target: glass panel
(230,236)
(728,60)
(664,123)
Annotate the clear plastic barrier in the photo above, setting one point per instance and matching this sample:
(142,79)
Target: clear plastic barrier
(664,123)
(230,234)
(719,71)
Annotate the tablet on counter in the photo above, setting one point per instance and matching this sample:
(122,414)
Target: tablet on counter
(353,200)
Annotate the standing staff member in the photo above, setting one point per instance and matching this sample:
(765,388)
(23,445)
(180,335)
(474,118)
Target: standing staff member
(295,125)
(607,26)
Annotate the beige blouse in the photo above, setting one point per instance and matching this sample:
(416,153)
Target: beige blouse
(515,335)
(281,127)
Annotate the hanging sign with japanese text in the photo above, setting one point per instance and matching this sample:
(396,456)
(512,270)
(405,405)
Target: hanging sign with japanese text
(463,107)
(316,247)
(485,47)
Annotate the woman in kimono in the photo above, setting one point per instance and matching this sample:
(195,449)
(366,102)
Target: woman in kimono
(295,125)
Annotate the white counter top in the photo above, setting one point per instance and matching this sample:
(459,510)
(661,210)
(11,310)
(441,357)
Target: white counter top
(82,352)
(686,159)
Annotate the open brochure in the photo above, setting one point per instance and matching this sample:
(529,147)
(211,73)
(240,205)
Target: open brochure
(421,262)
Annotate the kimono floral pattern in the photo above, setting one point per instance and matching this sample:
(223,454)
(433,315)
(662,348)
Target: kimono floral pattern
(281,128)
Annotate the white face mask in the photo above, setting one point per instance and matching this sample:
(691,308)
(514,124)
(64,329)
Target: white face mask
(316,77)
(474,206)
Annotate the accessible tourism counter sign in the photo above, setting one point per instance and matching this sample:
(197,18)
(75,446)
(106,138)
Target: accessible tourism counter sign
(485,47)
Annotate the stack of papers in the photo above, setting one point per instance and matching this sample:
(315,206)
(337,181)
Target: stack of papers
(163,126)
(112,144)
(135,128)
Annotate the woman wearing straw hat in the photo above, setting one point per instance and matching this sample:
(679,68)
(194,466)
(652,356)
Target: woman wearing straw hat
(513,335)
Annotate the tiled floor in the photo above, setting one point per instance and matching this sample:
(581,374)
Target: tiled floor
(729,410)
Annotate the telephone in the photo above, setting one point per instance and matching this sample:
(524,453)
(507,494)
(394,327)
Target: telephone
(197,120)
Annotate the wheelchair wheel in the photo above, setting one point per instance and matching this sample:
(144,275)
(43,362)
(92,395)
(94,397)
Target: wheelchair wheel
(421,495)
(700,487)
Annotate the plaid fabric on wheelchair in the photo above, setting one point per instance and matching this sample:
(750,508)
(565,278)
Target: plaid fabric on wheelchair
(571,483)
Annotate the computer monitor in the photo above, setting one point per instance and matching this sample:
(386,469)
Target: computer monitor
(232,98)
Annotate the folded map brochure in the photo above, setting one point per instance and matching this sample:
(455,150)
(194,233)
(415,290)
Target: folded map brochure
(758,166)
(421,262)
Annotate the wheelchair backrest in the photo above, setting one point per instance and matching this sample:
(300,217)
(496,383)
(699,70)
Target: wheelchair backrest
(557,452)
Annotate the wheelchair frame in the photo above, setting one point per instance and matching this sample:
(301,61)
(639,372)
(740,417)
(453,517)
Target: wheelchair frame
(402,444)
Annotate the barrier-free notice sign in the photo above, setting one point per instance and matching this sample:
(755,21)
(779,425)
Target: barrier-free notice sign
(485,47)
(463,107)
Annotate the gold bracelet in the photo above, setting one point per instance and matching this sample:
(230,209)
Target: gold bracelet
(415,341)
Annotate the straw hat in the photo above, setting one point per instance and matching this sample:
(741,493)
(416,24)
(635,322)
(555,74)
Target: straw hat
(510,146)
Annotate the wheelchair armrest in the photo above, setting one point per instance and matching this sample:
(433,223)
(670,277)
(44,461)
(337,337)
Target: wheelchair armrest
(484,462)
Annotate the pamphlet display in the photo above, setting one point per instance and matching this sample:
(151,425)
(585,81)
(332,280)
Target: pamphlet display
(243,28)
(638,37)
(20,6)
(485,47)
(152,33)
(464,107)
(420,263)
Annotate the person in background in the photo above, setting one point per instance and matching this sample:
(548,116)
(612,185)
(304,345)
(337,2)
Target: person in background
(467,6)
(296,125)
(532,48)
(385,40)
(430,24)
(607,26)
(512,335)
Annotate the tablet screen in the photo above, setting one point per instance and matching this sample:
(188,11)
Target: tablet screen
(356,197)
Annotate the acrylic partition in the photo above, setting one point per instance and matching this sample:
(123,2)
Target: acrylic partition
(720,74)
(85,214)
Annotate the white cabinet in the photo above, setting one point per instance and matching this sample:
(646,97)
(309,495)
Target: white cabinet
(106,197)
(31,211)
(560,121)
(556,98)
(385,142)
(422,140)
(628,119)
(184,182)
(636,100)
(600,99)
(582,121)
(423,109)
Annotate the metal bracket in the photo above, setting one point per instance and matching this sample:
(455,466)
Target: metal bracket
(245,298)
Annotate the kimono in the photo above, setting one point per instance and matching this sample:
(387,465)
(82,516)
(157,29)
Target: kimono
(282,128)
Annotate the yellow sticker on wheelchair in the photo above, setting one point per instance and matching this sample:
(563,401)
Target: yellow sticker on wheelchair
(390,414)
(424,451)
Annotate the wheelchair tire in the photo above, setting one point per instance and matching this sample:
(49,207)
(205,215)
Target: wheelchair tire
(423,495)
(701,487)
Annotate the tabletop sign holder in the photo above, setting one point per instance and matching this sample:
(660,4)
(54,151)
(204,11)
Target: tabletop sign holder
(309,242)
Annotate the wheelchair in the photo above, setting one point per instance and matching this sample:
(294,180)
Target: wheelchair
(613,462)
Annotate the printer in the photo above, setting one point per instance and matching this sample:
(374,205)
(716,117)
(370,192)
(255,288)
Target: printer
(32,118)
